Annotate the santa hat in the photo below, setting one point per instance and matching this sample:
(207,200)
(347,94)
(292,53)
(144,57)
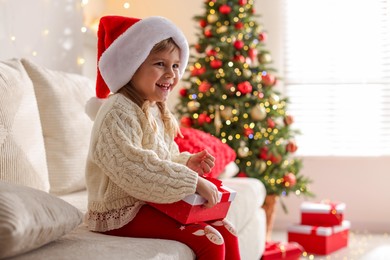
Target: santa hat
(123,45)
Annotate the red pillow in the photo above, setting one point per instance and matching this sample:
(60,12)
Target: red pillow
(195,140)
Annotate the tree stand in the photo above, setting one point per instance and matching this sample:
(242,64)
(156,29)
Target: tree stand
(269,207)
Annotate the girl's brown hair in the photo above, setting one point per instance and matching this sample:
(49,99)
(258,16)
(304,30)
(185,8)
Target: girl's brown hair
(170,123)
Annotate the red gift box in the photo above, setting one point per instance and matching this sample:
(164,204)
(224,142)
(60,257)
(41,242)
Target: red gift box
(191,209)
(320,240)
(324,213)
(278,250)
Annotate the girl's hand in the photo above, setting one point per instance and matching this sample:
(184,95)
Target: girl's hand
(207,190)
(201,162)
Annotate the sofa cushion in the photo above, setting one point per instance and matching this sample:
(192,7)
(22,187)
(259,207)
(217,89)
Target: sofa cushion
(22,150)
(30,218)
(195,140)
(66,127)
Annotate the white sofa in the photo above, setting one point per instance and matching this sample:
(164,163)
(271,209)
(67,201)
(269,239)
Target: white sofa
(44,137)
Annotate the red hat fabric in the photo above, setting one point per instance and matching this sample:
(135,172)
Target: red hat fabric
(123,45)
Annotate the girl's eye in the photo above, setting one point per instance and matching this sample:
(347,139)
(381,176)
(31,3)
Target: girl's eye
(161,64)
(175,66)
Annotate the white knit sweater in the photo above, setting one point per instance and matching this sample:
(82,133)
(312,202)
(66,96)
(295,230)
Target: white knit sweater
(129,163)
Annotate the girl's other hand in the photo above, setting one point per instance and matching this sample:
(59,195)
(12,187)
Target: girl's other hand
(207,190)
(201,162)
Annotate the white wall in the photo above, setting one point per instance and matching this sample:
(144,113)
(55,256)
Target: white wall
(47,32)
(360,182)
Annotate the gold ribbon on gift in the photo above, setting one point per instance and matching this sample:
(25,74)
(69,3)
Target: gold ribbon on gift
(276,245)
(333,209)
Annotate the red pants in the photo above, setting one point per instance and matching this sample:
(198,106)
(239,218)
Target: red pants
(209,240)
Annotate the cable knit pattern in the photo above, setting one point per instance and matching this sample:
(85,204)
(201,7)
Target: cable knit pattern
(129,163)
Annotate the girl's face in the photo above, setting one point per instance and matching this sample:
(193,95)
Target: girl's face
(157,75)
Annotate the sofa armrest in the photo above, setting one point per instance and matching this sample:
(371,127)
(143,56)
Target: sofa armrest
(247,215)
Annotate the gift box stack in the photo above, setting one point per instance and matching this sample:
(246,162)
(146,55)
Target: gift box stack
(323,229)
(191,209)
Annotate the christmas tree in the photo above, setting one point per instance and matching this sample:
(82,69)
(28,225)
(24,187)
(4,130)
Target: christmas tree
(230,92)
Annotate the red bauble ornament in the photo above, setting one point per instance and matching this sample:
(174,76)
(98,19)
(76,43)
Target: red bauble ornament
(238,44)
(204,86)
(248,131)
(252,53)
(263,153)
(244,87)
(211,52)
(263,37)
(208,33)
(242,2)
(270,123)
(239,58)
(203,118)
(186,121)
(215,64)
(291,147)
(225,9)
(239,25)
(275,158)
(183,92)
(203,23)
(289,180)
(198,71)
(268,79)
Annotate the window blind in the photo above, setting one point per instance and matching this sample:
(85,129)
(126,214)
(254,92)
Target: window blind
(337,75)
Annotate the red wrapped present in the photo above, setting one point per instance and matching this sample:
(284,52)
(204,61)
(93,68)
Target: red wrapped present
(191,209)
(324,213)
(320,240)
(279,250)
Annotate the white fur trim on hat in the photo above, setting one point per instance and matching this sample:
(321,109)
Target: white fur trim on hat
(124,56)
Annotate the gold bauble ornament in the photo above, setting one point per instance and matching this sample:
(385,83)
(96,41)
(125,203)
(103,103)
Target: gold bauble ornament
(222,29)
(261,165)
(227,113)
(274,99)
(212,18)
(247,73)
(193,106)
(264,58)
(243,152)
(258,112)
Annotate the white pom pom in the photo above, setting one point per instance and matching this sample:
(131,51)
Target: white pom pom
(92,107)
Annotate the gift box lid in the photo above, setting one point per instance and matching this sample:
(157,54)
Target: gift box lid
(224,195)
(323,207)
(285,250)
(319,231)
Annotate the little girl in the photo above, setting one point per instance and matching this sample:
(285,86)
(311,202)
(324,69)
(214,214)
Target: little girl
(133,157)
